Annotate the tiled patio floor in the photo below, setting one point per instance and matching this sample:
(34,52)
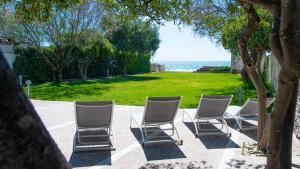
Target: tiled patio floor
(217,152)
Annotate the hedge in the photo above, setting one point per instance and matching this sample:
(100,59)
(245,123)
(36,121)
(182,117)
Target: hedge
(31,65)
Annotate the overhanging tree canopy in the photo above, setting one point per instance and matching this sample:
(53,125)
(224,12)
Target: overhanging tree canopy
(284,44)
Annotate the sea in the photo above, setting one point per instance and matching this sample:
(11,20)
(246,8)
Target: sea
(190,66)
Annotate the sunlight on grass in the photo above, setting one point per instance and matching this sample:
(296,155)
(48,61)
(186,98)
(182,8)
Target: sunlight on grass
(133,90)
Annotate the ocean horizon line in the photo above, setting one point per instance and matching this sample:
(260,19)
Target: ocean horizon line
(190,65)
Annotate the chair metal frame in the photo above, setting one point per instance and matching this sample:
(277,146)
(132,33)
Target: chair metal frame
(239,118)
(104,145)
(145,127)
(197,120)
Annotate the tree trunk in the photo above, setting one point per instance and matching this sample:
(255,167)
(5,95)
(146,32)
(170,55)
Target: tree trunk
(281,132)
(24,141)
(249,64)
(246,78)
(286,149)
(81,69)
(57,75)
(124,70)
(262,102)
(107,72)
(85,72)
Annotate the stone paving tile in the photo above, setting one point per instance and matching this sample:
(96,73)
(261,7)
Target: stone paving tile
(217,152)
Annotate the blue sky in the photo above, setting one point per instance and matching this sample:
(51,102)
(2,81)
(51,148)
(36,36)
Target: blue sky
(183,45)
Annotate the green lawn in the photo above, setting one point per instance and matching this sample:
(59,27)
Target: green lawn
(133,90)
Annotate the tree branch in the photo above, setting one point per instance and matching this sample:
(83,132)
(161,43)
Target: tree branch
(267,4)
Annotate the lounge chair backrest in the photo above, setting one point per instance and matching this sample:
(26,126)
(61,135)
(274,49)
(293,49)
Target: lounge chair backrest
(94,114)
(161,109)
(251,106)
(213,105)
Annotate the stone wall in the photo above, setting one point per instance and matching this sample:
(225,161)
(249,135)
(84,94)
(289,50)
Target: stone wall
(273,71)
(155,67)
(236,64)
(272,68)
(9,54)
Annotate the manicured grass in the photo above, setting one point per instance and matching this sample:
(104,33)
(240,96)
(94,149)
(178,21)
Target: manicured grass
(133,90)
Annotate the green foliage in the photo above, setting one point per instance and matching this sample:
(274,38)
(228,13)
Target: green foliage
(88,47)
(234,25)
(154,10)
(140,65)
(223,21)
(133,90)
(31,65)
(41,10)
(132,39)
(219,69)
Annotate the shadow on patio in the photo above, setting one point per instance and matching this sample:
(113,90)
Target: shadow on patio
(90,158)
(249,133)
(159,151)
(235,163)
(212,141)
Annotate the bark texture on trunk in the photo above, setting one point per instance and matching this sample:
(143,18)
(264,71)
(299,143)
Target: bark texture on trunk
(57,75)
(83,67)
(85,72)
(24,141)
(281,133)
(124,70)
(287,136)
(250,65)
(284,42)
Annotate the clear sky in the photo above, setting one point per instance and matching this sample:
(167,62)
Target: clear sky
(183,45)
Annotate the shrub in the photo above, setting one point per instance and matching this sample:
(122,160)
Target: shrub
(31,65)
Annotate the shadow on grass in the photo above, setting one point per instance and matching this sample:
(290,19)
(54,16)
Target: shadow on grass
(67,93)
(119,79)
(218,141)
(106,80)
(231,90)
(159,151)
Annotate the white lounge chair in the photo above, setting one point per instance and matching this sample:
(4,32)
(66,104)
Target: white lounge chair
(210,107)
(249,111)
(158,116)
(93,122)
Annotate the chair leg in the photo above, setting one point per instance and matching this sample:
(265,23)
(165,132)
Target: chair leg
(111,135)
(196,127)
(74,143)
(175,129)
(78,137)
(241,124)
(143,138)
(131,122)
(226,126)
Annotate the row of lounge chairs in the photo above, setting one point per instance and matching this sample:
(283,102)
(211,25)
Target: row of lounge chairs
(94,119)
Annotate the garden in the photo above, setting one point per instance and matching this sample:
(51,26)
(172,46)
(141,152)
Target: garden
(132,90)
